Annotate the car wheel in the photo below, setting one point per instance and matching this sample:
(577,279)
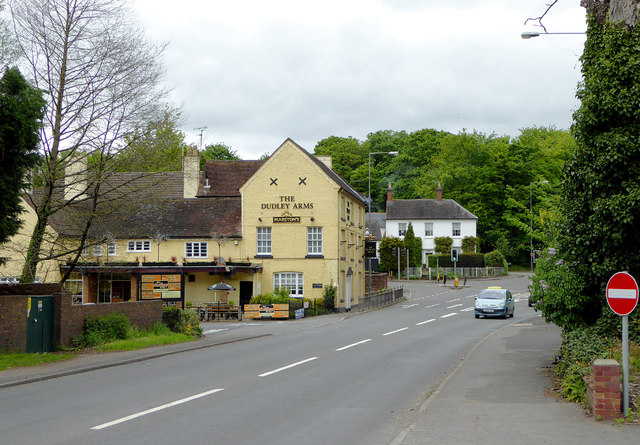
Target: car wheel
(477,316)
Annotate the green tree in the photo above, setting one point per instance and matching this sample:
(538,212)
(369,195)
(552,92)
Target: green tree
(347,156)
(414,245)
(21,112)
(600,200)
(389,253)
(102,77)
(155,146)
(220,152)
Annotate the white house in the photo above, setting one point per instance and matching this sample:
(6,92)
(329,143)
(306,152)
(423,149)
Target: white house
(430,218)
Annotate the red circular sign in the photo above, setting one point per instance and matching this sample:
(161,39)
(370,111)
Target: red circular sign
(622,293)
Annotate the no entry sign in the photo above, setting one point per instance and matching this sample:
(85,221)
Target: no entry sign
(622,293)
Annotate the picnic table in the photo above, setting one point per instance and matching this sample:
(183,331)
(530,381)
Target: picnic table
(218,311)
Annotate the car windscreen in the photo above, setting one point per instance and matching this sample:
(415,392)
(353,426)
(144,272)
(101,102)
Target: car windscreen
(491,295)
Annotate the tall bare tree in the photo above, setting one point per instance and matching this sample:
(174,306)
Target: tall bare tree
(102,75)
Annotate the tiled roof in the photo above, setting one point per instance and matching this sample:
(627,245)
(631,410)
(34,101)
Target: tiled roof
(226,177)
(375,222)
(405,209)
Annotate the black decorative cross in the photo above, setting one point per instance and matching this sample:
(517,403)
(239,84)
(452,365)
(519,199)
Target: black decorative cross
(302,181)
(274,182)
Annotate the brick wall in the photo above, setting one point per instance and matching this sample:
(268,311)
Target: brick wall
(142,314)
(68,319)
(604,392)
(378,281)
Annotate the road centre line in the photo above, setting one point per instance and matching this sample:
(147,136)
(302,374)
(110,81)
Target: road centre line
(449,315)
(455,305)
(287,367)
(410,305)
(432,305)
(467,309)
(455,299)
(396,331)
(353,344)
(425,322)
(157,408)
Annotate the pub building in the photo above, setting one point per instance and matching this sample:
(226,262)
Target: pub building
(286,222)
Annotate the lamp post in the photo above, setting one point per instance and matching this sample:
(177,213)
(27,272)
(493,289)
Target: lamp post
(531,219)
(392,153)
(530,34)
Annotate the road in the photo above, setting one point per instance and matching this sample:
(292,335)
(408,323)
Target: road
(351,378)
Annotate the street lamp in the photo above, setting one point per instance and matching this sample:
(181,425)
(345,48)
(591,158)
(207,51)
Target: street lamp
(392,153)
(531,220)
(529,34)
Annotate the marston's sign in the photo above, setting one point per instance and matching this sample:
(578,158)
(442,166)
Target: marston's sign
(622,293)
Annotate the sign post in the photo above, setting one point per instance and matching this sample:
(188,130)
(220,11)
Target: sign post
(622,298)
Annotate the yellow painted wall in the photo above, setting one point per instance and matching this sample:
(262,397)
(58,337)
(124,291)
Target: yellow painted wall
(16,250)
(291,184)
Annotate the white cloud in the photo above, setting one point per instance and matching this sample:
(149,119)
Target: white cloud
(258,72)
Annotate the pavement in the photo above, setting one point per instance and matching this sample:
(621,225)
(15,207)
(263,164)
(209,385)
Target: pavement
(500,393)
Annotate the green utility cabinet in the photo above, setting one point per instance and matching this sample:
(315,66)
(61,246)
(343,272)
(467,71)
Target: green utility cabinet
(40,324)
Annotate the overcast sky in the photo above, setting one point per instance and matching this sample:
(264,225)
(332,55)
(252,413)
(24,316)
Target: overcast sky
(256,72)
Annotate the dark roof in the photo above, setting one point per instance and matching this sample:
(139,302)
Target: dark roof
(426,209)
(226,177)
(375,222)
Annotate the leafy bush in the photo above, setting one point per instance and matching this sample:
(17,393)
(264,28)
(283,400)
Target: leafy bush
(184,322)
(279,296)
(98,330)
(580,347)
(464,260)
(494,259)
(329,297)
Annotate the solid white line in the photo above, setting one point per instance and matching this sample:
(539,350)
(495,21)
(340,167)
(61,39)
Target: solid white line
(213,330)
(353,344)
(449,315)
(425,322)
(396,331)
(157,408)
(287,367)
(455,305)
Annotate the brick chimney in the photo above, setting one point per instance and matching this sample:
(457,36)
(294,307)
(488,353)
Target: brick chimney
(191,172)
(389,193)
(439,192)
(326,160)
(75,179)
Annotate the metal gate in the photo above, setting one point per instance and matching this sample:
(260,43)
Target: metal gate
(40,324)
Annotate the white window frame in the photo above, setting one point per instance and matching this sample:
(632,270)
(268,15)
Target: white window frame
(74,285)
(263,241)
(112,249)
(292,281)
(97,250)
(402,229)
(314,240)
(139,246)
(456,229)
(196,249)
(428,229)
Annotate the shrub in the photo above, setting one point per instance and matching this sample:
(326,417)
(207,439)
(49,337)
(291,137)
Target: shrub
(494,259)
(98,330)
(184,322)
(279,296)
(329,297)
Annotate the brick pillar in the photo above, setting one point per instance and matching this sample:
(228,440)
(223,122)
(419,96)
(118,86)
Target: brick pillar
(606,383)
